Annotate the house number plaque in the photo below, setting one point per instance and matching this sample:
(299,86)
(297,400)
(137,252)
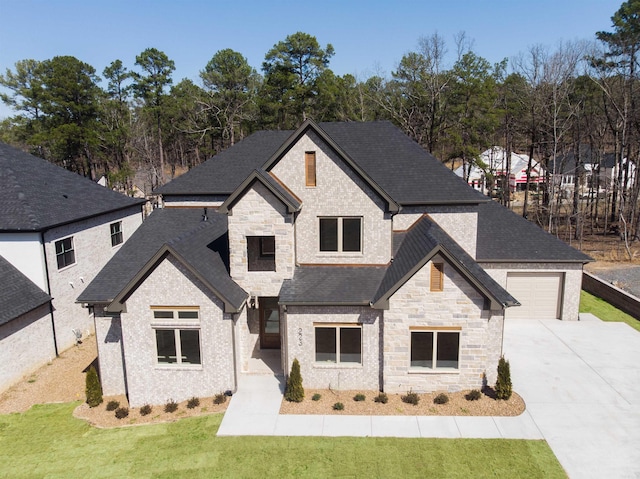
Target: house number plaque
(299,336)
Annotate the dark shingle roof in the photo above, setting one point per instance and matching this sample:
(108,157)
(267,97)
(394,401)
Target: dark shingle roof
(335,285)
(201,244)
(395,163)
(18,294)
(567,164)
(223,173)
(518,239)
(421,243)
(36,195)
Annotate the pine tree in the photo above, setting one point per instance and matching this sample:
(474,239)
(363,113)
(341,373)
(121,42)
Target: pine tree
(93,389)
(503,383)
(294,391)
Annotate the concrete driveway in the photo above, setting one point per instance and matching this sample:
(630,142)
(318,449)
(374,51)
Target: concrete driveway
(581,383)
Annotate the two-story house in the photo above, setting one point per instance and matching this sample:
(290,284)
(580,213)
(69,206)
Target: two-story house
(344,245)
(57,230)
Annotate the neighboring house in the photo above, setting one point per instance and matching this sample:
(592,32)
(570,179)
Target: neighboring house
(493,175)
(344,245)
(57,230)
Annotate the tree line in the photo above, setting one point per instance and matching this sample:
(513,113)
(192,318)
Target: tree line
(547,103)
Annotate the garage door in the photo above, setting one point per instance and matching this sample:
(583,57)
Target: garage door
(540,295)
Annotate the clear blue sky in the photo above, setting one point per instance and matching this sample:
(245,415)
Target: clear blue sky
(368,36)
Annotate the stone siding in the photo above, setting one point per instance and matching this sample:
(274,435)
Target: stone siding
(339,192)
(300,340)
(170,284)
(458,305)
(92,247)
(572,281)
(260,213)
(460,222)
(26,343)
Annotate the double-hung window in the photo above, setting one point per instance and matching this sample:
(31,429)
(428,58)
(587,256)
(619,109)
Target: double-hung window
(435,349)
(116,233)
(65,254)
(342,234)
(177,334)
(338,344)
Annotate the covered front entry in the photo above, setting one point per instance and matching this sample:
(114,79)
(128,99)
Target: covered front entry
(269,323)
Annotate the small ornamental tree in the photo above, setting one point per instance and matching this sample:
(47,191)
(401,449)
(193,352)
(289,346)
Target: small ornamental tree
(294,391)
(93,389)
(503,383)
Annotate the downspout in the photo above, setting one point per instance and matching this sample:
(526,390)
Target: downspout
(234,349)
(46,271)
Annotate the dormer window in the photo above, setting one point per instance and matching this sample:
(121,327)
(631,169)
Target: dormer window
(261,253)
(310,168)
(341,235)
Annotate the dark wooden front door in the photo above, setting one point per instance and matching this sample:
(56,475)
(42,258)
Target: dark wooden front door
(269,323)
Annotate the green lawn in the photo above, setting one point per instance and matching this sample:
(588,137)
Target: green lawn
(48,442)
(599,307)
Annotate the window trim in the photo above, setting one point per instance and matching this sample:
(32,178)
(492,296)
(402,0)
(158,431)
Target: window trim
(176,324)
(434,355)
(63,254)
(340,235)
(337,327)
(310,169)
(117,235)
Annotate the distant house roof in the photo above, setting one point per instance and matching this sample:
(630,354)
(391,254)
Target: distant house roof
(18,294)
(200,244)
(37,195)
(568,164)
(519,240)
(422,242)
(394,165)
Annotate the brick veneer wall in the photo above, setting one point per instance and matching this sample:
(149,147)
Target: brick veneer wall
(92,246)
(458,305)
(170,284)
(110,351)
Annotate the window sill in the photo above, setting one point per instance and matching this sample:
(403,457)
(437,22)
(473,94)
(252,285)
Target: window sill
(69,266)
(179,367)
(337,365)
(433,371)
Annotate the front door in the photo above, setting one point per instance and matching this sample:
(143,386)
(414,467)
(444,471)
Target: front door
(269,323)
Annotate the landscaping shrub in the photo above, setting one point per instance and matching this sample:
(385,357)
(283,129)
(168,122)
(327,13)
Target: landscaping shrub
(122,412)
(338,406)
(93,389)
(382,398)
(316,397)
(294,391)
(171,406)
(359,397)
(473,395)
(503,383)
(113,405)
(146,409)
(220,398)
(193,403)
(411,398)
(441,398)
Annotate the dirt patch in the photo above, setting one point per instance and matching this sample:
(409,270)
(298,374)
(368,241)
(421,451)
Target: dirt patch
(99,416)
(62,380)
(458,405)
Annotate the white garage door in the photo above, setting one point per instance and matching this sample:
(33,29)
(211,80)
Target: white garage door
(540,295)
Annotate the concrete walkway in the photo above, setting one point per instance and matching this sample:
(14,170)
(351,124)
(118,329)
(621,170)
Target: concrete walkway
(580,381)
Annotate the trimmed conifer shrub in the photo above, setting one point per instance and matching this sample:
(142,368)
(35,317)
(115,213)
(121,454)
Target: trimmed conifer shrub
(503,383)
(93,389)
(294,391)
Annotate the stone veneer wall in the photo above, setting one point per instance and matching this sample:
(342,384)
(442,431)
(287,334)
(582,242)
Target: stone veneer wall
(300,339)
(339,192)
(572,281)
(459,305)
(92,245)
(26,343)
(110,351)
(170,284)
(459,222)
(260,213)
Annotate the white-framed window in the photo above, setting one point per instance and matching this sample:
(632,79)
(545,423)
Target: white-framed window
(435,349)
(338,344)
(116,233)
(340,234)
(65,254)
(177,334)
